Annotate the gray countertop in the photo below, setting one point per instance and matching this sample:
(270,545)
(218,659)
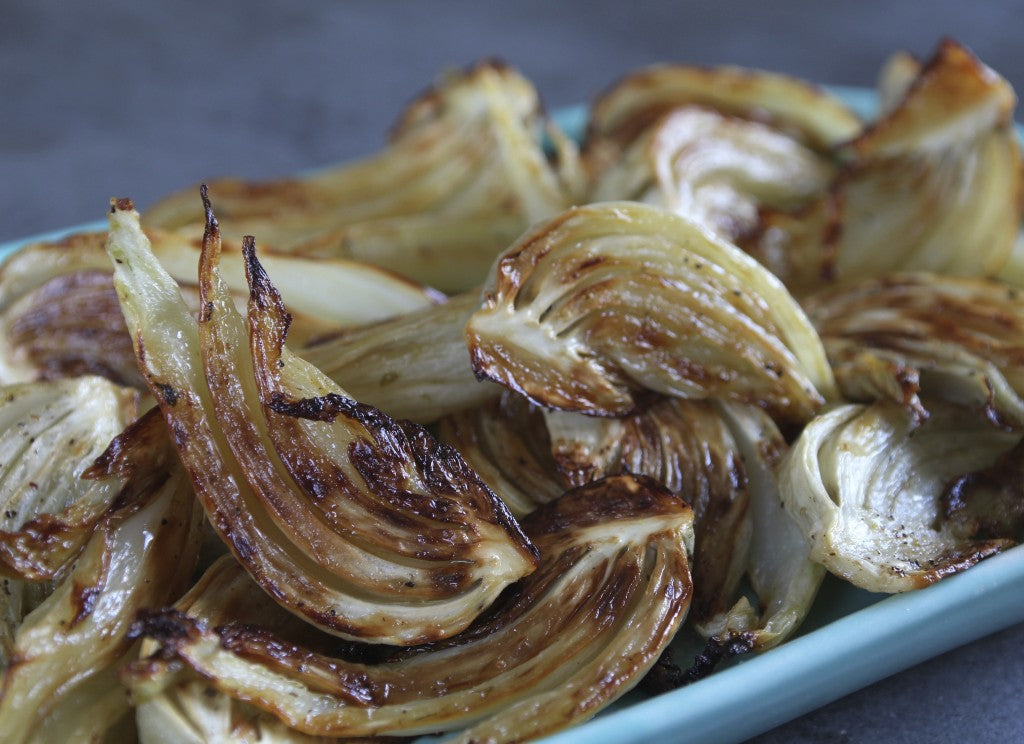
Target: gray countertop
(139,99)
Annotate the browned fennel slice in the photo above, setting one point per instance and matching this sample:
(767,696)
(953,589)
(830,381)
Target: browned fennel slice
(868,487)
(602,302)
(364,526)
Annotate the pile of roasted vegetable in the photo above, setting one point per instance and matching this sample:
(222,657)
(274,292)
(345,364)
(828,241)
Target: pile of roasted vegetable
(460,439)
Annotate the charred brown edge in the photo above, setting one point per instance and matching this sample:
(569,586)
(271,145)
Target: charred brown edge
(243,551)
(413,437)
(121,457)
(907,378)
(879,344)
(245,638)
(84,599)
(123,204)
(137,455)
(261,645)
(964,499)
(170,628)
(483,363)
(210,252)
(262,291)
(325,408)
(268,327)
(666,675)
(949,53)
(621,497)
(39,533)
(955,560)
(167,626)
(530,250)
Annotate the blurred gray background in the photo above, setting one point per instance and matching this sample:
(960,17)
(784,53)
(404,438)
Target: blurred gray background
(141,98)
(138,99)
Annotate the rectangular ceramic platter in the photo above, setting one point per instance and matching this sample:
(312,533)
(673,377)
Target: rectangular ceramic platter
(851,638)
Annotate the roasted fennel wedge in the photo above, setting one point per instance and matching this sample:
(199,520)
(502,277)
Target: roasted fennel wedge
(61,684)
(50,433)
(933,185)
(954,338)
(464,174)
(364,526)
(590,308)
(870,489)
(611,590)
